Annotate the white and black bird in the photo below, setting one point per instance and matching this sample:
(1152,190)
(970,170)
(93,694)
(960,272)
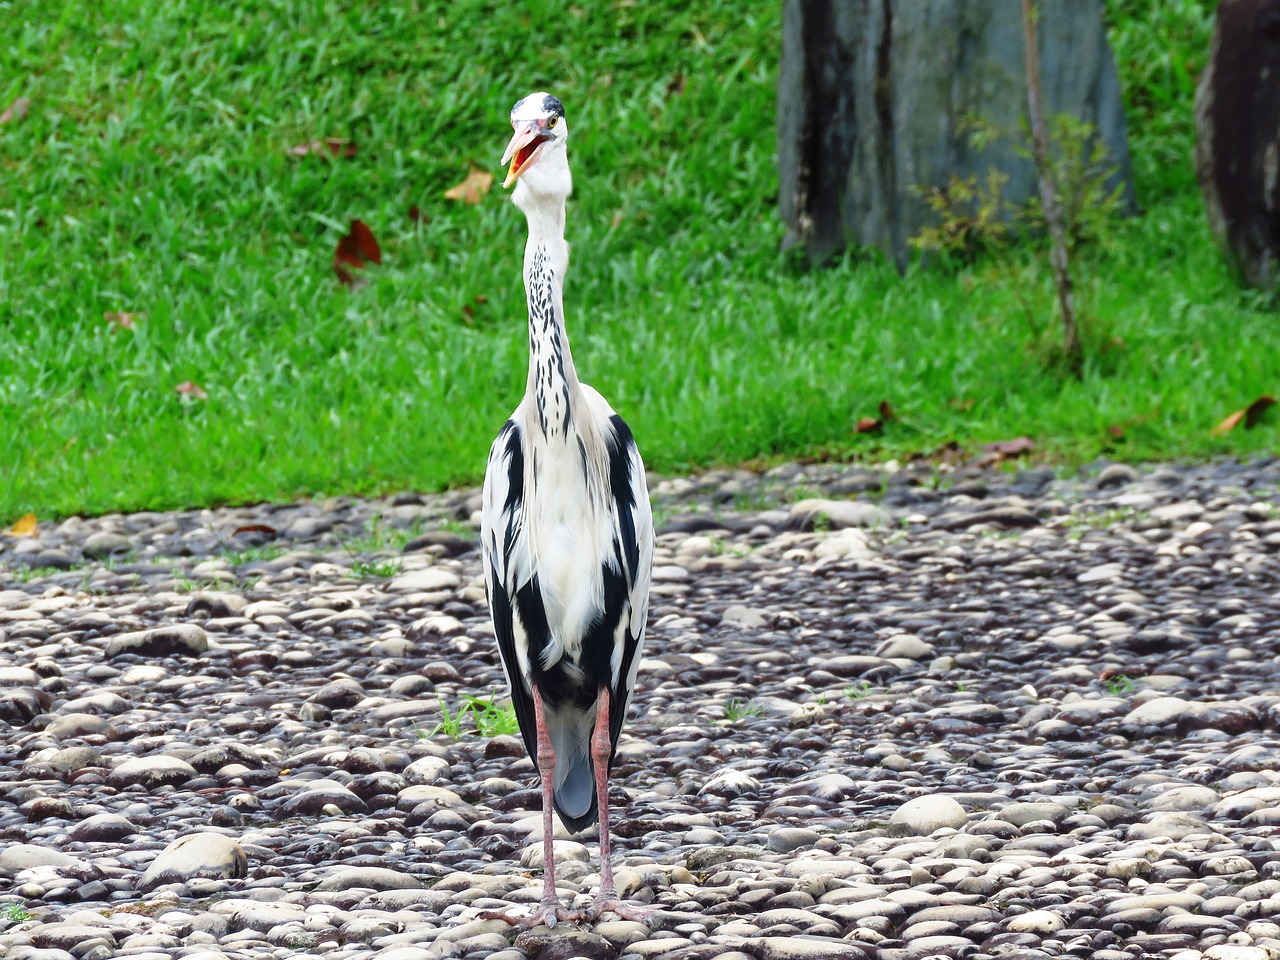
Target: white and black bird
(567,532)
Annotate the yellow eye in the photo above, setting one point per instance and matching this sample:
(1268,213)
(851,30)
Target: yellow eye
(552,122)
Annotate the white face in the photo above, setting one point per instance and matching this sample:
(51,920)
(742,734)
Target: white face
(540,131)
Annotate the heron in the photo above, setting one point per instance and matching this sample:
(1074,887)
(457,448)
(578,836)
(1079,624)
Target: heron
(567,535)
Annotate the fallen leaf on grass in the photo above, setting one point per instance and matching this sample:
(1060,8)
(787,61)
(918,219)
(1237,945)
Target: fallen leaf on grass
(473,188)
(993,453)
(875,424)
(189,388)
(124,321)
(1118,430)
(328,147)
(17,110)
(1250,415)
(417,216)
(357,247)
(24,527)
(1010,448)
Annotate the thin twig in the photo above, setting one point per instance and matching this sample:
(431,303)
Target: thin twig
(1048,192)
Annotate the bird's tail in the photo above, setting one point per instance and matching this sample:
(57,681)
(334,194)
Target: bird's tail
(574,790)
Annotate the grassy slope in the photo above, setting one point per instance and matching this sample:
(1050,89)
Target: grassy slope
(151,175)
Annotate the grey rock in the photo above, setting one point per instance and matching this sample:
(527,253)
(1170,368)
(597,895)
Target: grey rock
(70,726)
(1020,814)
(837,514)
(905,646)
(179,639)
(923,815)
(16,857)
(103,544)
(428,580)
(197,855)
(374,878)
(151,771)
(102,828)
(1117,475)
(787,839)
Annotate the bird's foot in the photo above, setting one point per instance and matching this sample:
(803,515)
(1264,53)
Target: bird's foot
(609,903)
(550,913)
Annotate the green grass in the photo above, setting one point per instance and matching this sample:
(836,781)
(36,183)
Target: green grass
(375,568)
(15,911)
(738,709)
(488,718)
(151,176)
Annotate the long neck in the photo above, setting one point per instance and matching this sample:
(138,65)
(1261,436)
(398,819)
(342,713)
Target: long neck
(552,388)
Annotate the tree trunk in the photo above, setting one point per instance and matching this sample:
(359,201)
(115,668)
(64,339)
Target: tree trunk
(872,95)
(1238,137)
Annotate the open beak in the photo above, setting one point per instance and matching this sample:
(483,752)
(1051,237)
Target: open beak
(526,143)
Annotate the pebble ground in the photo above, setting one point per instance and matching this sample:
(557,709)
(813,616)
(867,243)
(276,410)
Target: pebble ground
(891,713)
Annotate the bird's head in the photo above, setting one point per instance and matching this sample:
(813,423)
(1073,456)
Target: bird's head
(537,148)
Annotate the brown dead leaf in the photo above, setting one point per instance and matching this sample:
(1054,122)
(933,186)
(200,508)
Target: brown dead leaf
(16,111)
(867,425)
(473,188)
(417,216)
(676,86)
(328,147)
(1250,416)
(122,320)
(993,453)
(1010,448)
(1118,430)
(356,247)
(876,424)
(24,527)
(189,388)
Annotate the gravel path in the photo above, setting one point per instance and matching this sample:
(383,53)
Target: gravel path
(896,713)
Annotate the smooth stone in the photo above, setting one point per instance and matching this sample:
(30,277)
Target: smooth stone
(203,855)
(1157,712)
(374,878)
(151,771)
(786,839)
(1117,475)
(904,646)
(1020,814)
(748,617)
(16,857)
(104,544)
(923,815)
(838,514)
(1175,826)
(1036,921)
(1186,799)
(69,726)
(175,640)
(429,580)
(102,828)
(809,948)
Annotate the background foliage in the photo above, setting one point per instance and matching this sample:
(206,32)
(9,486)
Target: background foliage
(152,176)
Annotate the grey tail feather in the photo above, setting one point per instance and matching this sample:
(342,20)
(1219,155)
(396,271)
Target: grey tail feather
(575,798)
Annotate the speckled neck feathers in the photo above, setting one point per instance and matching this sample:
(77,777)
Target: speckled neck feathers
(553,382)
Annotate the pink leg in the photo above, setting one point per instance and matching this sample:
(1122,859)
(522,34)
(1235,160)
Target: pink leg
(551,911)
(601,746)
